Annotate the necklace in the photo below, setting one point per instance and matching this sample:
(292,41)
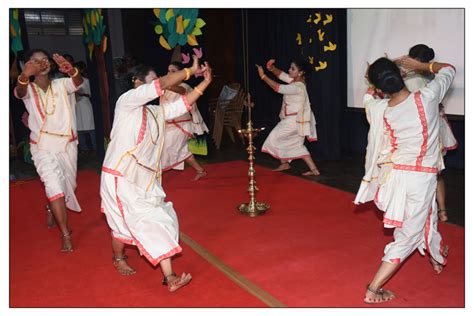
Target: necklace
(45,104)
(157,127)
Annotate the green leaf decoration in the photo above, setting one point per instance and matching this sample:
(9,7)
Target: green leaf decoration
(177,26)
(200,23)
(196,31)
(158,29)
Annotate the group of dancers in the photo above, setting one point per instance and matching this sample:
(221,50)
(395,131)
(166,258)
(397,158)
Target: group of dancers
(149,137)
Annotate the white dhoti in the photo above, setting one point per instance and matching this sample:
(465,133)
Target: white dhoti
(409,201)
(58,171)
(139,217)
(284,141)
(175,149)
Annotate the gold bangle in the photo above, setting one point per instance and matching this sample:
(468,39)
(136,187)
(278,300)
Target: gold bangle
(24,83)
(198,91)
(431,67)
(188,73)
(263,77)
(75,74)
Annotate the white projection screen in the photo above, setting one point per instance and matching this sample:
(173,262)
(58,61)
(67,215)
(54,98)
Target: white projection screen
(373,32)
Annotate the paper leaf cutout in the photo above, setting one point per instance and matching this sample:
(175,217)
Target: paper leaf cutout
(185,58)
(169,14)
(196,31)
(179,25)
(298,38)
(200,23)
(192,40)
(321,35)
(311,60)
(322,65)
(157,12)
(198,52)
(331,47)
(183,39)
(328,19)
(186,23)
(318,18)
(158,29)
(164,43)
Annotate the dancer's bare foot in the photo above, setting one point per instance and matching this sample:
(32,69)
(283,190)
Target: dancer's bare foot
(200,175)
(443,215)
(312,172)
(50,221)
(438,267)
(122,266)
(67,242)
(173,282)
(283,166)
(378,296)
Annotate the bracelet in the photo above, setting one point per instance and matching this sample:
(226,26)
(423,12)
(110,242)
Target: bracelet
(263,77)
(75,73)
(24,83)
(431,67)
(198,91)
(188,73)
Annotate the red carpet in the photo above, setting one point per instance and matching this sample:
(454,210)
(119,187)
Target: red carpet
(41,276)
(313,248)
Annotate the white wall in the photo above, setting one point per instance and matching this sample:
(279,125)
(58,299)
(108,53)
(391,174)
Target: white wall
(373,32)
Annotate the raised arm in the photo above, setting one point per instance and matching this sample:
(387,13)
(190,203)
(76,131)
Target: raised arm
(176,109)
(32,68)
(280,74)
(272,84)
(444,74)
(149,91)
(66,68)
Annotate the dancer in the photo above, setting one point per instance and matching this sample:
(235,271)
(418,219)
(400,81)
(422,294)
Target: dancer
(130,189)
(179,130)
(405,168)
(53,137)
(84,113)
(286,141)
(415,81)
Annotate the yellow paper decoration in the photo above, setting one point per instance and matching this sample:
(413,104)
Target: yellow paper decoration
(322,65)
(169,14)
(318,18)
(192,40)
(328,19)
(331,47)
(179,25)
(164,43)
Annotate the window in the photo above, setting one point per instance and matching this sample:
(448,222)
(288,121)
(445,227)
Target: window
(53,22)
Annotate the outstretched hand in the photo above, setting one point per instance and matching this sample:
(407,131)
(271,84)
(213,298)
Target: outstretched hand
(260,70)
(270,64)
(64,65)
(207,71)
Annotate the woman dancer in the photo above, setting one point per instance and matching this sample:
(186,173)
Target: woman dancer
(53,137)
(286,141)
(179,130)
(130,189)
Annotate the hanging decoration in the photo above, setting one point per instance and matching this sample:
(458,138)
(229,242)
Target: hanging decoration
(94,30)
(318,24)
(178,27)
(15,32)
